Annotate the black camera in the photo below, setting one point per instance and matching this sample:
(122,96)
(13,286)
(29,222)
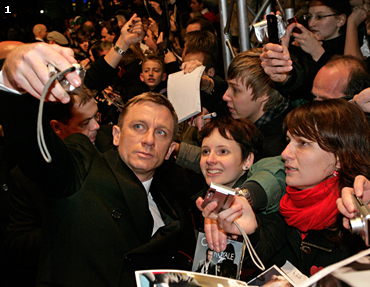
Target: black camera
(360,224)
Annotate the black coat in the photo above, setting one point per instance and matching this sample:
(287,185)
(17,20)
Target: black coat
(299,85)
(98,226)
(275,242)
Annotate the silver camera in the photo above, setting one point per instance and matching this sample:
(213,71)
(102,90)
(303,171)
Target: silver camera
(261,31)
(66,85)
(222,194)
(360,224)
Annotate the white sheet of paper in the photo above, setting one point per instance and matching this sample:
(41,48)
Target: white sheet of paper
(183,91)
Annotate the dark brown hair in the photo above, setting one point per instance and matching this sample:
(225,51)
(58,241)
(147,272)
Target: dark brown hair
(338,127)
(202,40)
(242,131)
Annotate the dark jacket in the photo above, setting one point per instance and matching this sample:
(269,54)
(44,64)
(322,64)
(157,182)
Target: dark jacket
(211,268)
(299,85)
(98,227)
(275,242)
(274,138)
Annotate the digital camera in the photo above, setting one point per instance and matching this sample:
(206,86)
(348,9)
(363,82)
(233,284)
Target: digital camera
(360,224)
(66,85)
(261,29)
(222,194)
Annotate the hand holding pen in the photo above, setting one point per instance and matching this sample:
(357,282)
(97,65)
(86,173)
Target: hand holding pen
(201,119)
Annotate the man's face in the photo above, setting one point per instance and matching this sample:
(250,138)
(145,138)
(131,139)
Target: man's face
(240,103)
(84,121)
(84,46)
(105,36)
(145,139)
(152,74)
(195,6)
(330,82)
(209,255)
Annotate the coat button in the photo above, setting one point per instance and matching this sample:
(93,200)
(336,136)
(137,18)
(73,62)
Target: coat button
(116,214)
(306,249)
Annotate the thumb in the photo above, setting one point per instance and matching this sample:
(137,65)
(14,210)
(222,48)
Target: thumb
(285,49)
(286,38)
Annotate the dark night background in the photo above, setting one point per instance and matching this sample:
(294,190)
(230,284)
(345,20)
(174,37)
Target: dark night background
(17,25)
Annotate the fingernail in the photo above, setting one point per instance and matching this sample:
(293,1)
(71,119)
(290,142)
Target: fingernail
(65,98)
(76,83)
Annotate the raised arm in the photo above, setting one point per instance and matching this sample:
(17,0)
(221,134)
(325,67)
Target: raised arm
(275,59)
(357,16)
(25,69)
(131,33)
(309,42)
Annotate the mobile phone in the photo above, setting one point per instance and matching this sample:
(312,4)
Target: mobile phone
(294,20)
(272,29)
(222,194)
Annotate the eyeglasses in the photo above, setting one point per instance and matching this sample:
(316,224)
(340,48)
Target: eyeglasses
(309,16)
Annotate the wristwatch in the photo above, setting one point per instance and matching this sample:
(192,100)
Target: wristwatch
(242,191)
(119,50)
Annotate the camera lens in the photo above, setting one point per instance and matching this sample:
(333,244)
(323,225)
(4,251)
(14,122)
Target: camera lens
(356,225)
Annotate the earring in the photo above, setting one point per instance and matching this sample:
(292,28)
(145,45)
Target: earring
(335,173)
(246,168)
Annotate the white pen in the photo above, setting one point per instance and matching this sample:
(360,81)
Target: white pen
(210,116)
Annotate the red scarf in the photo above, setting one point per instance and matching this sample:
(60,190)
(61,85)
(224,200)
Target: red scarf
(311,209)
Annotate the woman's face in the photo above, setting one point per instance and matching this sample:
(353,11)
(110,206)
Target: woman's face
(306,164)
(150,41)
(221,160)
(326,27)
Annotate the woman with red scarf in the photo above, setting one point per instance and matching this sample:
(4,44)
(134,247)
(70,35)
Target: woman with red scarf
(329,144)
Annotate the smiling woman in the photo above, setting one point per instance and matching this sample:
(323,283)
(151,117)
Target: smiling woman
(329,145)
(229,149)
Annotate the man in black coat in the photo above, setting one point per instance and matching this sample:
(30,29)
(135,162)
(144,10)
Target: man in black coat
(99,227)
(108,215)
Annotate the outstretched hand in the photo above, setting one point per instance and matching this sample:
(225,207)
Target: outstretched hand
(361,187)
(217,226)
(25,69)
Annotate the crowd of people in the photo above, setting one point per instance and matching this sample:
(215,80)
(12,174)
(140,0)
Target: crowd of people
(125,186)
